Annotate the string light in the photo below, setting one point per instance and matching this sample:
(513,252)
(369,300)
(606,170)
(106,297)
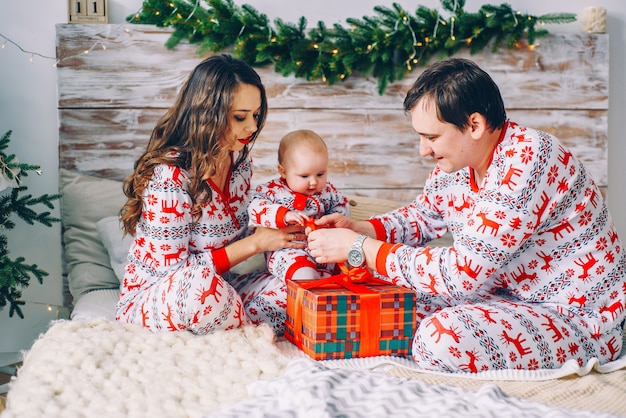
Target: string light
(32,54)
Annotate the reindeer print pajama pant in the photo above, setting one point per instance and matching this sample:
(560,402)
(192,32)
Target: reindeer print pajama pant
(536,275)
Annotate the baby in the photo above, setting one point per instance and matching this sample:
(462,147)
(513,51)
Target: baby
(300,195)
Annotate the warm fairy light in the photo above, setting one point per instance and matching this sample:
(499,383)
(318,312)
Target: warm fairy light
(56,61)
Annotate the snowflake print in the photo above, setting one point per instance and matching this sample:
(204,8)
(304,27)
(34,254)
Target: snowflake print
(552,174)
(500,214)
(527,155)
(455,352)
(561,356)
(569,272)
(131,268)
(601,244)
(467,285)
(164,220)
(585,218)
(165,247)
(533,364)
(206,272)
(572,171)
(152,200)
(600,270)
(420,270)
(609,257)
(533,264)
(508,240)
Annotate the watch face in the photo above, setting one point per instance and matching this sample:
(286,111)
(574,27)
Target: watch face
(355,258)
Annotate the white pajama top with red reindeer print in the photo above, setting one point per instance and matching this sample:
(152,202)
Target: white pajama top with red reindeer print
(537,272)
(272,200)
(176,276)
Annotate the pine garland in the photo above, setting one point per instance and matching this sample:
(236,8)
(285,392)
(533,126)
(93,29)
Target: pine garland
(387,46)
(15,274)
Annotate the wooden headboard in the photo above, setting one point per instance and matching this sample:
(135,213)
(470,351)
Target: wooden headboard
(110,99)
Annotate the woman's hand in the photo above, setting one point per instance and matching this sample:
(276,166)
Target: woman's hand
(269,239)
(334,220)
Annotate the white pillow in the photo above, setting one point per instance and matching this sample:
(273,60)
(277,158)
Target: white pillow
(116,243)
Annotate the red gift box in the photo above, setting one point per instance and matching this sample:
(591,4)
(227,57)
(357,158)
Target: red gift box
(350,315)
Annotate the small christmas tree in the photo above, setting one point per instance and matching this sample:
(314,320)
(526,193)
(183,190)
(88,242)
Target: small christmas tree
(16,273)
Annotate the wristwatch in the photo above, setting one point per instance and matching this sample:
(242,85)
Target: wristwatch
(356,256)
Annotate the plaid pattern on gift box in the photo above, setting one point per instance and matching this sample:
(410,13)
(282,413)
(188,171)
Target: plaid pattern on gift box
(338,323)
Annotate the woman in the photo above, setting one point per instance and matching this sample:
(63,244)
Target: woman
(537,272)
(187,210)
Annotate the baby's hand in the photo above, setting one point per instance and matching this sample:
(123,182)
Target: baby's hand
(296,218)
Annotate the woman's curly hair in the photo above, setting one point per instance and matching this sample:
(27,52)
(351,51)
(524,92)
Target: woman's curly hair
(190,134)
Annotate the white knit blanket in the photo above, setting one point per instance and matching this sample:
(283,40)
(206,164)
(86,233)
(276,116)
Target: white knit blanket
(103,368)
(109,369)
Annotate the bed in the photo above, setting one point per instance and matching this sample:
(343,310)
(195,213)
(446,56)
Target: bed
(93,366)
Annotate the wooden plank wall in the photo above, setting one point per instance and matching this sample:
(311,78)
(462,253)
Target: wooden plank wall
(110,98)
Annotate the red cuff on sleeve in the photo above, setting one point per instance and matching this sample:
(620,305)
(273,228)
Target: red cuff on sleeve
(381,234)
(381,257)
(280,217)
(220,260)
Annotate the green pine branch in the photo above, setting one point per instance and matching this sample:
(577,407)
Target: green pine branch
(15,274)
(387,45)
